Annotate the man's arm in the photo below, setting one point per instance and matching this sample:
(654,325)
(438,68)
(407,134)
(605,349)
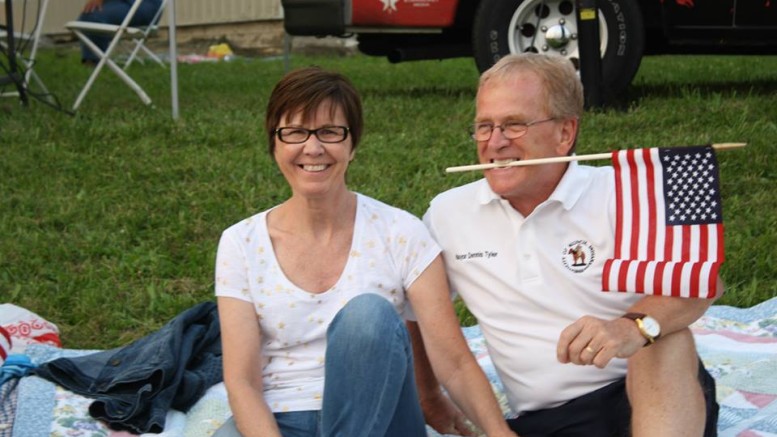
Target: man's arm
(439,412)
(591,340)
(450,358)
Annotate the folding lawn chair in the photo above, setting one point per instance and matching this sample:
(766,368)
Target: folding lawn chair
(139,41)
(118,32)
(26,58)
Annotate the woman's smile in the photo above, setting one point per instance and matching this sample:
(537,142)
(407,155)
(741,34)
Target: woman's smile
(314,168)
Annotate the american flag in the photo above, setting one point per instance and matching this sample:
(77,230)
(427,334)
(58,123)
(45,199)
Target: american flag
(669,223)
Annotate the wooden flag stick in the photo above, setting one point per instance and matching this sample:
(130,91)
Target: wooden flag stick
(591,157)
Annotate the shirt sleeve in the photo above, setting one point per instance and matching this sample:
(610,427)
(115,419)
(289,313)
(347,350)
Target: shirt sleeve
(413,249)
(429,221)
(231,268)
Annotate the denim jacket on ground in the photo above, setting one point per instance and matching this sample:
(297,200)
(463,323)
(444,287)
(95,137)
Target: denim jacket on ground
(135,385)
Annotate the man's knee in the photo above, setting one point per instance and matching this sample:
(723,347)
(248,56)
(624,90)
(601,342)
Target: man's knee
(675,351)
(670,364)
(671,370)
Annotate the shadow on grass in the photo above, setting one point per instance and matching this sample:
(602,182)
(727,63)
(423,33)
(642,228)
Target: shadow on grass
(632,97)
(725,89)
(420,92)
(711,89)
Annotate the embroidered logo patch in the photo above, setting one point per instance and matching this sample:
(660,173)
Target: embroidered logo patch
(578,255)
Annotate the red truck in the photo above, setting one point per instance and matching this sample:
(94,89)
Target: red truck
(404,30)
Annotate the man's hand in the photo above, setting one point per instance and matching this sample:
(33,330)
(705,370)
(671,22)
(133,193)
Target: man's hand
(591,340)
(92,6)
(441,414)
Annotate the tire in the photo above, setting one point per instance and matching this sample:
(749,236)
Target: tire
(502,27)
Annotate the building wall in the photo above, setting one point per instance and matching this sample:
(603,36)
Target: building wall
(254,26)
(187,12)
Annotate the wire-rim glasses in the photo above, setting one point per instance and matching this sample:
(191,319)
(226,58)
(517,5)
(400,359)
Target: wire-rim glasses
(510,129)
(325,134)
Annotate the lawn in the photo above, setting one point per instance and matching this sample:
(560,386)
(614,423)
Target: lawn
(109,219)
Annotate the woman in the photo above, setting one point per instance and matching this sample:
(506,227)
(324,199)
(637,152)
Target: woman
(310,292)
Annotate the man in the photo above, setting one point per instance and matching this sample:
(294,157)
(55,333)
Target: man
(524,247)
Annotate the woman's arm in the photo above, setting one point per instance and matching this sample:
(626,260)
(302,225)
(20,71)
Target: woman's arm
(242,354)
(452,362)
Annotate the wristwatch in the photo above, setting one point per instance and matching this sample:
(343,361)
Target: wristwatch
(648,326)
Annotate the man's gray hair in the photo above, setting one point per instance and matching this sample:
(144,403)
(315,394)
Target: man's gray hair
(561,84)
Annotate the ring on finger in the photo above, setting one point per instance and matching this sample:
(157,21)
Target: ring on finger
(590,349)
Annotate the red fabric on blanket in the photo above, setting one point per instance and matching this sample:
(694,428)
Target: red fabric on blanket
(5,344)
(25,327)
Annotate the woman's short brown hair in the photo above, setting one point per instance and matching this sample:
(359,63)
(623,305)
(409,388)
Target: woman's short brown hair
(304,90)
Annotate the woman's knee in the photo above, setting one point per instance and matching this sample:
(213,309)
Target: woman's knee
(366,315)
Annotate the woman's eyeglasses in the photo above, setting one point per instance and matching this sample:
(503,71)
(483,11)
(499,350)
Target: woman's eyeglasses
(326,134)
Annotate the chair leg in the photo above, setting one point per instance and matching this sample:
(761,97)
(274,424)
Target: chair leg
(29,61)
(105,60)
(92,76)
(153,56)
(139,45)
(35,78)
(29,77)
(133,53)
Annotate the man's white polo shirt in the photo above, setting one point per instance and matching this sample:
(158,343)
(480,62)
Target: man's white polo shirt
(527,278)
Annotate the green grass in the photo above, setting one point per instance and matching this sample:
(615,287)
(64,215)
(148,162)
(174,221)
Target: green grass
(109,219)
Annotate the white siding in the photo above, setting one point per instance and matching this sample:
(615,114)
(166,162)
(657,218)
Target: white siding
(188,12)
(226,11)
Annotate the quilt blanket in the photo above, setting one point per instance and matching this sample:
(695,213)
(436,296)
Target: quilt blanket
(738,347)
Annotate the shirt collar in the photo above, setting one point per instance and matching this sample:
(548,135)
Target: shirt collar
(571,187)
(485,194)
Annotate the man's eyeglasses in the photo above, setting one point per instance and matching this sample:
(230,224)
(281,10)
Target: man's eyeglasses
(326,134)
(510,129)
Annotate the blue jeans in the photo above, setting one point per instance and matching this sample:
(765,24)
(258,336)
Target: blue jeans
(370,386)
(114,12)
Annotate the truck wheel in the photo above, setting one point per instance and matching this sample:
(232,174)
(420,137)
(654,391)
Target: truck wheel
(502,27)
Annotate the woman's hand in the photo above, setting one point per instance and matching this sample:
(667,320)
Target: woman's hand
(92,6)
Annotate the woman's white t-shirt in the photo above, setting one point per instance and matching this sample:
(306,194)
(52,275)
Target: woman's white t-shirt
(390,249)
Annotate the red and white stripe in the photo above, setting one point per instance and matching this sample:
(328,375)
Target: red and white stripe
(5,344)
